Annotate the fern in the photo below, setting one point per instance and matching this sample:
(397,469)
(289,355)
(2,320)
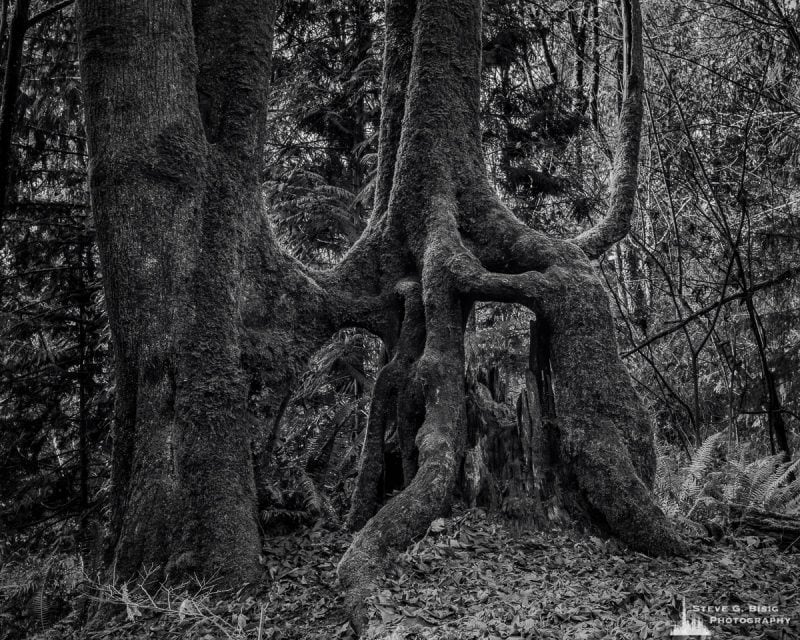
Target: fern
(270,517)
(315,500)
(43,607)
(699,467)
(792,507)
(761,475)
(784,496)
(766,483)
(785,482)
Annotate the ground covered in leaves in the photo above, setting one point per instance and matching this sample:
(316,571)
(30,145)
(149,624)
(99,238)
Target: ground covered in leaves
(473,576)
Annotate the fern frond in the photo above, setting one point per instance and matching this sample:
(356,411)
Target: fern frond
(762,473)
(780,493)
(740,481)
(792,507)
(43,608)
(700,465)
(315,501)
(338,193)
(271,516)
(783,475)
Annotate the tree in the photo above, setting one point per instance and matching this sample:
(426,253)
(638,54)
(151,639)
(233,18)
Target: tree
(211,321)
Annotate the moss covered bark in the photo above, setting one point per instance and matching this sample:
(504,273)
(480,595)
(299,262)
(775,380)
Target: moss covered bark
(209,321)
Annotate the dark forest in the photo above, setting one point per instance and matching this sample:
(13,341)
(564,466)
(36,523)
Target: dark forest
(408,319)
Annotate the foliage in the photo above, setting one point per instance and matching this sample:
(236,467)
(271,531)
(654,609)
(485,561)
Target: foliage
(37,591)
(723,473)
(55,396)
(321,156)
(706,283)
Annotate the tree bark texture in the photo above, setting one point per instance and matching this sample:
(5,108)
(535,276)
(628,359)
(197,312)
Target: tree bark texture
(211,322)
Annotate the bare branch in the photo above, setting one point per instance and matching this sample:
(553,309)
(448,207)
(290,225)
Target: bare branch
(740,295)
(49,11)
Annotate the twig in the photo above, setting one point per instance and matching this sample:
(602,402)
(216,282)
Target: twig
(45,13)
(786,275)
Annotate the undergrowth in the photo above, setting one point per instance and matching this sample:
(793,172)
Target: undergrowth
(723,473)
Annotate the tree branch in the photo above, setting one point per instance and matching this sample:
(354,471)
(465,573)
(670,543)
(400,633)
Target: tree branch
(46,13)
(625,167)
(786,275)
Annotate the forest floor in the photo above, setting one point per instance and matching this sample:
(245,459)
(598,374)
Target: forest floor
(473,576)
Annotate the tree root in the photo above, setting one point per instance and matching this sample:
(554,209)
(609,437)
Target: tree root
(370,469)
(405,517)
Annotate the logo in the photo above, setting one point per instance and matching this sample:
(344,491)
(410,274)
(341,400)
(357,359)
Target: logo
(690,627)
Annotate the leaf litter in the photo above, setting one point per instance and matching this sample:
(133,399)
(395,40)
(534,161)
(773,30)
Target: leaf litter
(476,576)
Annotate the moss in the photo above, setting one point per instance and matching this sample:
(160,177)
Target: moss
(179,157)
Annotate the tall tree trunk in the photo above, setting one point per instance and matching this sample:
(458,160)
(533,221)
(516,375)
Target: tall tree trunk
(174,199)
(209,321)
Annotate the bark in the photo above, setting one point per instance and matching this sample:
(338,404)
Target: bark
(147,160)
(502,467)
(625,162)
(391,397)
(370,471)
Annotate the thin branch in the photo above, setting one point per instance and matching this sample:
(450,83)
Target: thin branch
(741,295)
(46,13)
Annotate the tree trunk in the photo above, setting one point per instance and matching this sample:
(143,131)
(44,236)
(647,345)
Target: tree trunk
(190,273)
(209,321)
(12,79)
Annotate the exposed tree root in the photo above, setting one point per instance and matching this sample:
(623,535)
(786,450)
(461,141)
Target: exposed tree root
(392,398)
(365,497)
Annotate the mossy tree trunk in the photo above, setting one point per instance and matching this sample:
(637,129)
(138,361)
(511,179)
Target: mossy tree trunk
(464,245)
(211,322)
